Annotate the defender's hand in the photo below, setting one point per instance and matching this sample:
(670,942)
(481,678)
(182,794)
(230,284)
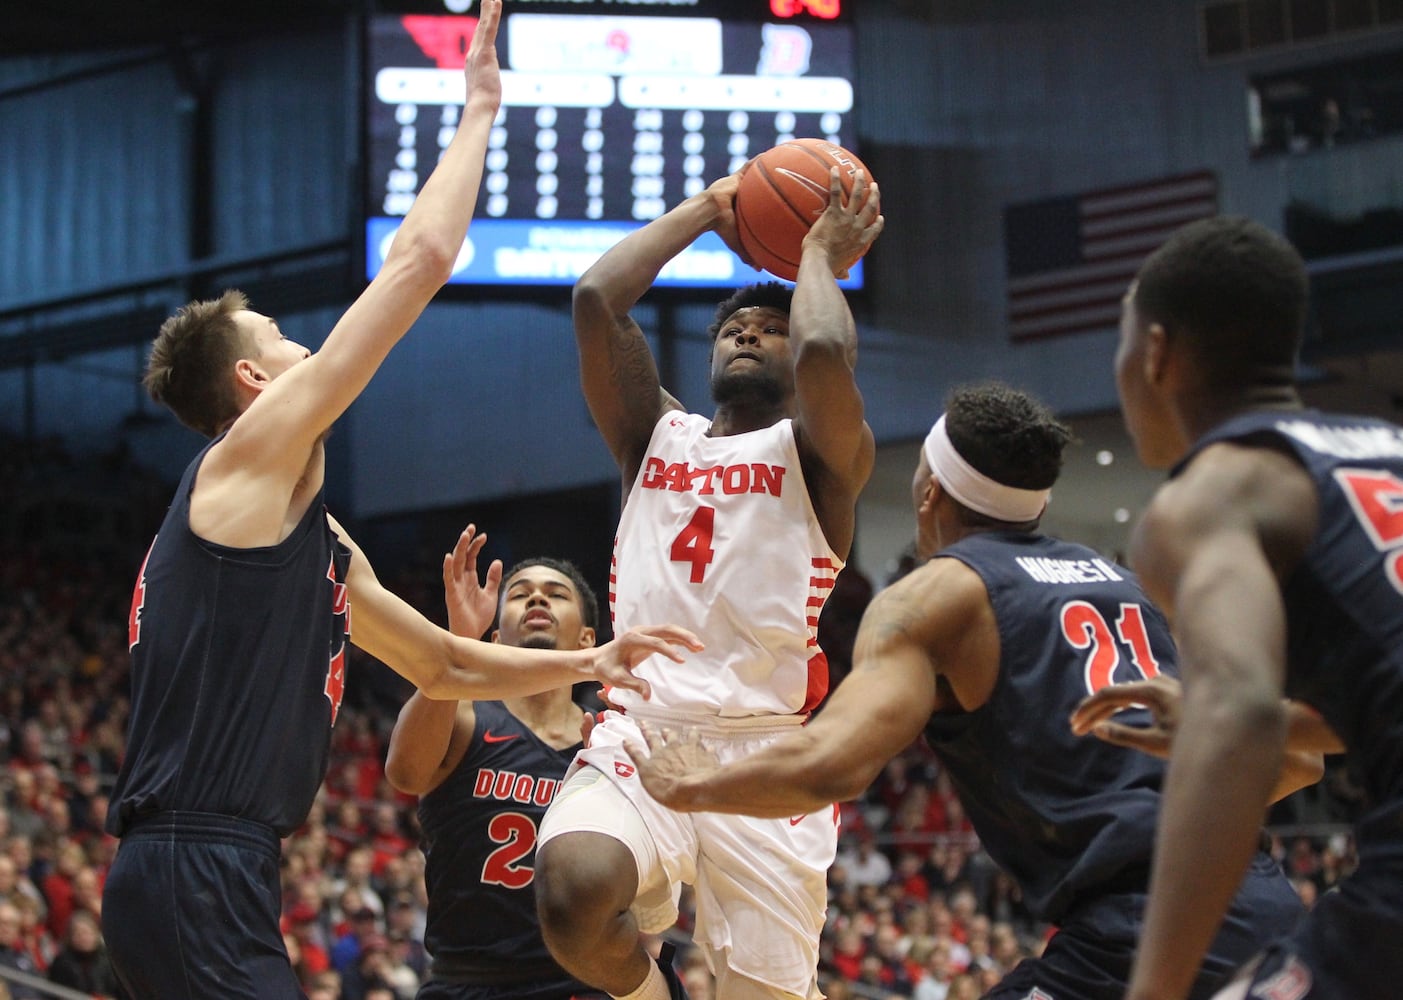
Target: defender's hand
(481,71)
(471,605)
(671,761)
(1161,695)
(613,662)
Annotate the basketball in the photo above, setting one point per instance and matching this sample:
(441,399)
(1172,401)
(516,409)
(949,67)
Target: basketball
(780,195)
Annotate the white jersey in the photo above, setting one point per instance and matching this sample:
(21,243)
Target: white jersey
(718,535)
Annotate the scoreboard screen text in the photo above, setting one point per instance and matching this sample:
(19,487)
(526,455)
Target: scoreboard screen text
(607,121)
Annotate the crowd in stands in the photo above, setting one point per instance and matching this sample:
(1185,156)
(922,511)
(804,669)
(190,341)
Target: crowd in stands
(916,908)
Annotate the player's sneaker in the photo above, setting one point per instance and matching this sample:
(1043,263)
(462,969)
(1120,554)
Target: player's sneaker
(674,984)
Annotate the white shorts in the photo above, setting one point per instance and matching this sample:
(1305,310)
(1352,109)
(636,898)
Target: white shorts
(761,884)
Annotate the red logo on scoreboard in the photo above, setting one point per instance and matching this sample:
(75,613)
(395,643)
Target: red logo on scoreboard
(826,9)
(445,40)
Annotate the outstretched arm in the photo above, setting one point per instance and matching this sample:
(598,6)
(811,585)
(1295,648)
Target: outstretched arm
(617,370)
(873,714)
(831,430)
(445,666)
(284,423)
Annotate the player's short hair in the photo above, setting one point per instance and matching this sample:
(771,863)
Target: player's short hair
(1007,435)
(589,604)
(1236,291)
(765,294)
(191,359)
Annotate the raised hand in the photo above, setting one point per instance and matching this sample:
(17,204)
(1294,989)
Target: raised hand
(483,75)
(614,661)
(471,604)
(670,759)
(1161,695)
(846,229)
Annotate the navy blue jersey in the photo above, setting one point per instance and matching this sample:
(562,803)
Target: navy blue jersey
(238,665)
(479,828)
(1344,602)
(1066,816)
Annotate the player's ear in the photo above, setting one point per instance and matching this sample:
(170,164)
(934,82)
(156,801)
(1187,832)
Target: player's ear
(588,638)
(1156,353)
(497,636)
(931,493)
(248,374)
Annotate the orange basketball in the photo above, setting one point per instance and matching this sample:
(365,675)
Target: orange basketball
(781,193)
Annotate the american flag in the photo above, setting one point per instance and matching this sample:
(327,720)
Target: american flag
(1070,259)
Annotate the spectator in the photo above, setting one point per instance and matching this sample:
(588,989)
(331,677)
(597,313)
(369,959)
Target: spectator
(362,926)
(34,938)
(58,885)
(848,952)
(82,962)
(357,870)
(25,819)
(12,952)
(387,839)
(302,925)
(865,864)
(936,973)
(325,986)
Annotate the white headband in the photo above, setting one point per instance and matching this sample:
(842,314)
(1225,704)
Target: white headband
(974,489)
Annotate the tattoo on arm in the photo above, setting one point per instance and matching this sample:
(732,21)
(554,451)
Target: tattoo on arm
(891,620)
(631,365)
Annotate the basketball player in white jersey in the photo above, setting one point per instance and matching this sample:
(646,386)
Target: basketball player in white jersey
(734,526)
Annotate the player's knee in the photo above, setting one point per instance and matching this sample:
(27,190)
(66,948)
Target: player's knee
(582,880)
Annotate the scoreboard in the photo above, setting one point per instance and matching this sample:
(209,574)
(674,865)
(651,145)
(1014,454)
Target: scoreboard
(607,121)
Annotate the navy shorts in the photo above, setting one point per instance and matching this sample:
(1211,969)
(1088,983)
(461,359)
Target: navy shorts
(1350,947)
(190,910)
(1090,956)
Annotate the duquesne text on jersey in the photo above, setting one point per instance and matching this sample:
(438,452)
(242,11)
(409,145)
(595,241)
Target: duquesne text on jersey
(510,786)
(743,477)
(1068,570)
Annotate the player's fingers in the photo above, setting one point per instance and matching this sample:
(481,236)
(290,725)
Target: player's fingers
(1112,698)
(630,682)
(866,200)
(488,18)
(494,575)
(1150,741)
(1089,713)
(673,634)
(870,209)
(636,752)
(660,645)
(835,188)
(460,548)
(870,234)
